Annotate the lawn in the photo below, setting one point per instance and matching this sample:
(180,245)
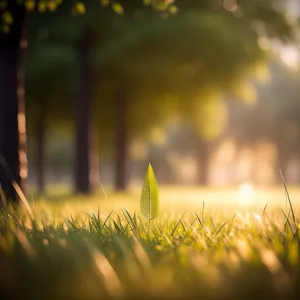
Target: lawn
(233,246)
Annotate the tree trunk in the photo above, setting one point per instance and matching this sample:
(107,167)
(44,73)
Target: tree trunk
(83,118)
(203,156)
(13,163)
(94,160)
(40,147)
(121,143)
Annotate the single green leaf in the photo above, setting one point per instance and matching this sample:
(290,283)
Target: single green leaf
(149,202)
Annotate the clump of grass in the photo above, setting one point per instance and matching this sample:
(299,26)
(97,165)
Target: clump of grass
(120,256)
(116,256)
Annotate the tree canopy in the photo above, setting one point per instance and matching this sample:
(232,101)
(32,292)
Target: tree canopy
(181,65)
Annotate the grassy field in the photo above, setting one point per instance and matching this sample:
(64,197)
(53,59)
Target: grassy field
(172,199)
(233,246)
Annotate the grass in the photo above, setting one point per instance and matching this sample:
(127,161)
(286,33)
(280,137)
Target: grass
(203,253)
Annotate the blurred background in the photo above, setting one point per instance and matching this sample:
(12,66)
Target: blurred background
(207,91)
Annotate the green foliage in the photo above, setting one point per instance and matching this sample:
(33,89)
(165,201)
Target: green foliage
(9,7)
(177,67)
(149,202)
(163,67)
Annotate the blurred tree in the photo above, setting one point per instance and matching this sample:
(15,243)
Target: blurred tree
(72,98)
(50,92)
(76,43)
(214,49)
(280,104)
(244,30)
(99,26)
(12,128)
(274,117)
(13,134)
(143,56)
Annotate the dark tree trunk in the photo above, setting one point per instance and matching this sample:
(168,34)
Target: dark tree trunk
(94,160)
(203,159)
(13,163)
(83,117)
(22,132)
(40,147)
(121,142)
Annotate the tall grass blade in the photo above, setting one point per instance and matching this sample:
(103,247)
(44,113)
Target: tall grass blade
(288,222)
(265,208)
(177,224)
(222,226)
(289,200)
(15,185)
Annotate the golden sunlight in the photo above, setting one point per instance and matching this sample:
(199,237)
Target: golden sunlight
(290,56)
(245,195)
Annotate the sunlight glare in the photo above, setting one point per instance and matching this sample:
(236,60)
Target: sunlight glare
(290,56)
(245,194)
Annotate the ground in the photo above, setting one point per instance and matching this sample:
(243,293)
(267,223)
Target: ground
(232,247)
